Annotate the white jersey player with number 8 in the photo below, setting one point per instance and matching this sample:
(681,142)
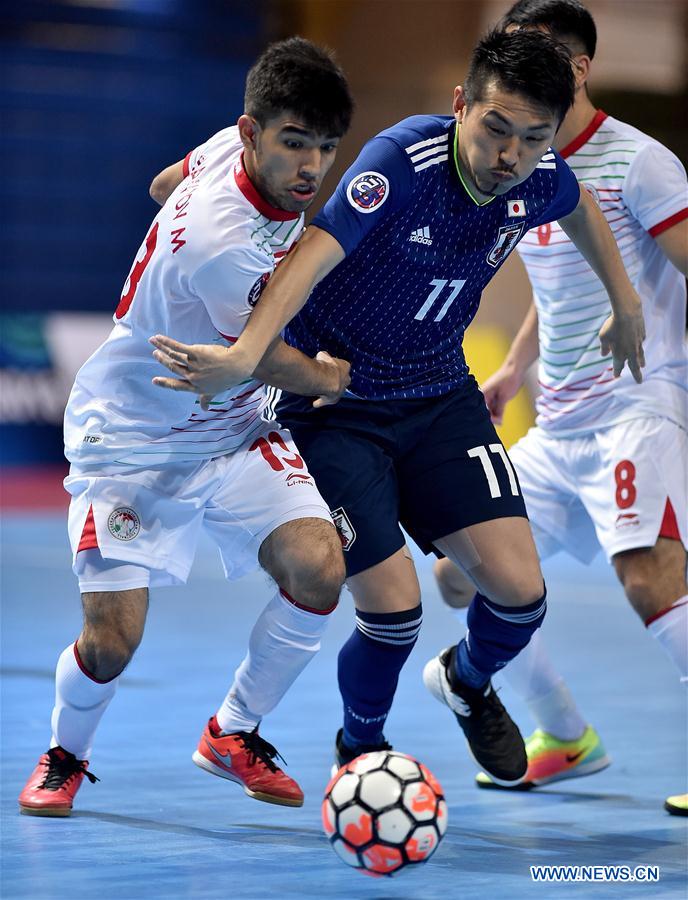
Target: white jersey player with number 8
(607,462)
(151,468)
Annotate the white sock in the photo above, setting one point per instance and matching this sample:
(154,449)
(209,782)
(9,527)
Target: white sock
(534,678)
(283,641)
(80,701)
(670,628)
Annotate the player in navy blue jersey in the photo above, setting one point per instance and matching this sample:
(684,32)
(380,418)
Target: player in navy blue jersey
(392,271)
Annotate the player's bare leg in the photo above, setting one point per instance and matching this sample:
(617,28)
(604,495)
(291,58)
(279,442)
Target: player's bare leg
(304,558)
(654,579)
(86,680)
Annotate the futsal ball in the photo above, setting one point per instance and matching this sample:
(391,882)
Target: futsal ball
(383,812)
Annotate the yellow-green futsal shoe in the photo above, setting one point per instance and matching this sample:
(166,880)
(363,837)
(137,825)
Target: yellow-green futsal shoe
(550,759)
(677,805)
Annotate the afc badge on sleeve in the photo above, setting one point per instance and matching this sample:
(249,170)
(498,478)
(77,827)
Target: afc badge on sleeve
(345,529)
(258,288)
(367,191)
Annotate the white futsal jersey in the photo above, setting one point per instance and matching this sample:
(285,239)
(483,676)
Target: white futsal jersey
(642,191)
(196,277)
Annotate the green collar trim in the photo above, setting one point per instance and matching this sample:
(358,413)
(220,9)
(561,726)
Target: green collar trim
(458,170)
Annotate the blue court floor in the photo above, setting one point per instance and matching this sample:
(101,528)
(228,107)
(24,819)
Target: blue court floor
(156,826)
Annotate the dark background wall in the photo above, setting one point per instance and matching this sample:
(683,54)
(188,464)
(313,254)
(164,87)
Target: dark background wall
(96,96)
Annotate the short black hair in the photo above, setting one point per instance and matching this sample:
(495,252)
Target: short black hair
(297,76)
(529,63)
(566,20)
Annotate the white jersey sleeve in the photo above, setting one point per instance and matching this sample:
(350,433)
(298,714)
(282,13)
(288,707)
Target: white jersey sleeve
(195,158)
(656,190)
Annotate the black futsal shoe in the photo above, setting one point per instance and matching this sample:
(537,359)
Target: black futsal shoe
(344,754)
(493,738)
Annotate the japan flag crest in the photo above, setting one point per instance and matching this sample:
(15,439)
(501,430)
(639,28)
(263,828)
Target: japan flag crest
(516,208)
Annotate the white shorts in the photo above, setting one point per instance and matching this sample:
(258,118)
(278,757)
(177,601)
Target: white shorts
(151,518)
(608,489)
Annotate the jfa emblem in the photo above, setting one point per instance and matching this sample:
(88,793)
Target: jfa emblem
(345,529)
(507,238)
(367,191)
(124,524)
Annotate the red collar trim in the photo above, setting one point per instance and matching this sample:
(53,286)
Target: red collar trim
(247,188)
(585,134)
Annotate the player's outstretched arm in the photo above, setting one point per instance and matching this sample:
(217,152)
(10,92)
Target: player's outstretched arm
(506,382)
(166,181)
(623,333)
(201,369)
(308,262)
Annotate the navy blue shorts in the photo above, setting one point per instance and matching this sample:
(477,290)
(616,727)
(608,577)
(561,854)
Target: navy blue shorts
(435,465)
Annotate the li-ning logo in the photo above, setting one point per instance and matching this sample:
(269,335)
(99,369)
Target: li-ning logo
(626,520)
(124,524)
(421,236)
(296,478)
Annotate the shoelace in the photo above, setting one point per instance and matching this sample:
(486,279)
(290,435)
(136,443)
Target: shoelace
(496,725)
(61,770)
(260,750)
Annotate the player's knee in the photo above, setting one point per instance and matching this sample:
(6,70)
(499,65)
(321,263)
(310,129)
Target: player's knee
(112,631)
(521,589)
(311,570)
(457,589)
(642,595)
(105,655)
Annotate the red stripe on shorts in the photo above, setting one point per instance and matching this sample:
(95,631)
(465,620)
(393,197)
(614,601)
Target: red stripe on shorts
(89,538)
(669,526)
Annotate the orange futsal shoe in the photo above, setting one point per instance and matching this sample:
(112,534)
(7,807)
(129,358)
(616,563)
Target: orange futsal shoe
(53,783)
(246,758)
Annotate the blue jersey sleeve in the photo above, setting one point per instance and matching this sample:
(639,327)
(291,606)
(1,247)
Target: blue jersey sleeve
(378,184)
(567,196)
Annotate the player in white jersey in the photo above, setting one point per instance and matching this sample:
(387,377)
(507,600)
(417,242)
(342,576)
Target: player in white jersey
(607,462)
(151,468)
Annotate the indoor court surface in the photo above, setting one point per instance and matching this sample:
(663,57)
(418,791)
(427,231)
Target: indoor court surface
(156,826)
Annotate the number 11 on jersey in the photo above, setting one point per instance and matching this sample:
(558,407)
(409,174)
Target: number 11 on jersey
(438,285)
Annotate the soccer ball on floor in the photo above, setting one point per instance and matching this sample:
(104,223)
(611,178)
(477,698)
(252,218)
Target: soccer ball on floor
(384,811)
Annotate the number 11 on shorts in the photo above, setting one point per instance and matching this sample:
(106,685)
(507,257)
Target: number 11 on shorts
(490,474)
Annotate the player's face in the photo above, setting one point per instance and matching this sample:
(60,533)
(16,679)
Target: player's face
(287,160)
(502,138)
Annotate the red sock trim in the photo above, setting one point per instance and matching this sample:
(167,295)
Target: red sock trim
(214,727)
(669,526)
(667,609)
(316,612)
(89,538)
(87,673)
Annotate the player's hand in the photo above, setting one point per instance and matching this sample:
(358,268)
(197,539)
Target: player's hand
(338,371)
(622,335)
(205,369)
(499,389)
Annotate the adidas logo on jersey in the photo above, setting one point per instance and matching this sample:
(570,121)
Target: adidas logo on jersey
(421,236)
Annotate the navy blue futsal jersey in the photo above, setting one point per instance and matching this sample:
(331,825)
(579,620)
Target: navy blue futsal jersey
(419,251)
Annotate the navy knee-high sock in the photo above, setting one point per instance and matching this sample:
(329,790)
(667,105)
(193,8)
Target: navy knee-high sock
(496,634)
(369,665)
